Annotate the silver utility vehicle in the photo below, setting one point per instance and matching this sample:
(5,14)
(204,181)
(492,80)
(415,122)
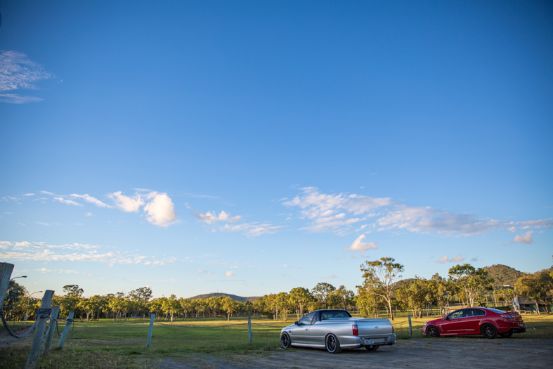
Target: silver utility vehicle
(335,330)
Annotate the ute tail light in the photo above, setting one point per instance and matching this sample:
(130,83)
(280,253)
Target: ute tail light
(355,330)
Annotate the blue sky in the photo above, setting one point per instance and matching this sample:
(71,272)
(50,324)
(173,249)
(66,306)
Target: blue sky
(252,147)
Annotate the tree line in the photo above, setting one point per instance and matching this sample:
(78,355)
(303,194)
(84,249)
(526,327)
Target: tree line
(382,291)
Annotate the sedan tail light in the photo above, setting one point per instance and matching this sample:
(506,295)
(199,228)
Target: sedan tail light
(355,330)
(507,316)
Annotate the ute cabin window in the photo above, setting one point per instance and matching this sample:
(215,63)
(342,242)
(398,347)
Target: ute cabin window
(325,315)
(308,319)
(457,314)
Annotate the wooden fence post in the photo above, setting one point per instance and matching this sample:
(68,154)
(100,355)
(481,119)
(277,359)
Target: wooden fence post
(38,340)
(410,325)
(52,327)
(6,270)
(150,330)
(66,329)
(249,329)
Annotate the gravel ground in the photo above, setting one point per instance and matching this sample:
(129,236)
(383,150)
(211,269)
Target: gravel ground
(462,353)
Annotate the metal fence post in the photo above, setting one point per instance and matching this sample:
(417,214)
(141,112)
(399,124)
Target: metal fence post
(410,325)
(249,329)
(38,339)
(150,330)
(52,327)
(6,270)
(66,329)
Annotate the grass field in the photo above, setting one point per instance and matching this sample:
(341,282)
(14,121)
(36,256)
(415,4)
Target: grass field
(109,344)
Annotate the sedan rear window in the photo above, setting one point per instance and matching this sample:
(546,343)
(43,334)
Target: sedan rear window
(497,311)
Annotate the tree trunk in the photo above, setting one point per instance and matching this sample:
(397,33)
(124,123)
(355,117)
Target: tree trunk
(537,307)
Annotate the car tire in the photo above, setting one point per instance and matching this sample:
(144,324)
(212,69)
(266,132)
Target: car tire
(488,331)
(332,344)
(372,348)
(506,334)
(432,332)
(285,341)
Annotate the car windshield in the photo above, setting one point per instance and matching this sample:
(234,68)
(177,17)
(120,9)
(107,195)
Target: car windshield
(334,314)
(497,311)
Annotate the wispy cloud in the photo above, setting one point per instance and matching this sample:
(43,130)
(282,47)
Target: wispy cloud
(210,217)
(449,260)
(526,238)
(17,73)
(229,274)
(73,252)
(90,199)
(253,229)
(334,212)
(344,213)
(360,246)
(223,221)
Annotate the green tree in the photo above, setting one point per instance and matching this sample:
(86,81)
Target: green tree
(472,283)
(537,286)
(321,291)
(300,298)
(379,277)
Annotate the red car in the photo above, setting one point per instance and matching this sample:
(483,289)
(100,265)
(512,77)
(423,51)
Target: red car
(477,320)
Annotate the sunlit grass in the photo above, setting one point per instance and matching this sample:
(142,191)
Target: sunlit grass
(121,344)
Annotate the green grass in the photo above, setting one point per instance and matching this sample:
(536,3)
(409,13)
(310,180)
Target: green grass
(107,344)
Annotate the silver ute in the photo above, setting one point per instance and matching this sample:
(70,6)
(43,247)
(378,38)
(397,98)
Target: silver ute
(335,330)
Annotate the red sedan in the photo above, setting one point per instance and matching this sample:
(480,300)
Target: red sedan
(478,320)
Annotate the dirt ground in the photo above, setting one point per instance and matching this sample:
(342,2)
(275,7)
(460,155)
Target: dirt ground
(462,353)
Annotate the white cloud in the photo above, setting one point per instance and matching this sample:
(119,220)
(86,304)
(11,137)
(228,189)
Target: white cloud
(251,229)
(446,259)
(229,274)
(526,238)
(359,245)
(213,217)
(335,212)
(18,72)
(344,213)
(160,209)
(64,201)
(427,220)
(126,203)
(73,252)
(90,199)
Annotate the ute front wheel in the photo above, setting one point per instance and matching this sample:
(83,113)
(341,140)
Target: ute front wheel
(332,344)
(285,341)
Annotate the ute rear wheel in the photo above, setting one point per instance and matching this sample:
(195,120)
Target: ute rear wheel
(285,341)
(372,347)
(432,332)
(332,344)
(489,331)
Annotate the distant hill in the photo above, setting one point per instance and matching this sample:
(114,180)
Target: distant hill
(503,274)
(221,294)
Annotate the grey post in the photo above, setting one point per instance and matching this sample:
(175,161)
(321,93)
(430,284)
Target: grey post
(410,326)
(52,327)
(66,329)
(150,330)
(250,329)
(38,339)
(6,270)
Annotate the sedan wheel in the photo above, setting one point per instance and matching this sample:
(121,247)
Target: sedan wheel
(285,341)
(489,331)
(332,344)
(432,332)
